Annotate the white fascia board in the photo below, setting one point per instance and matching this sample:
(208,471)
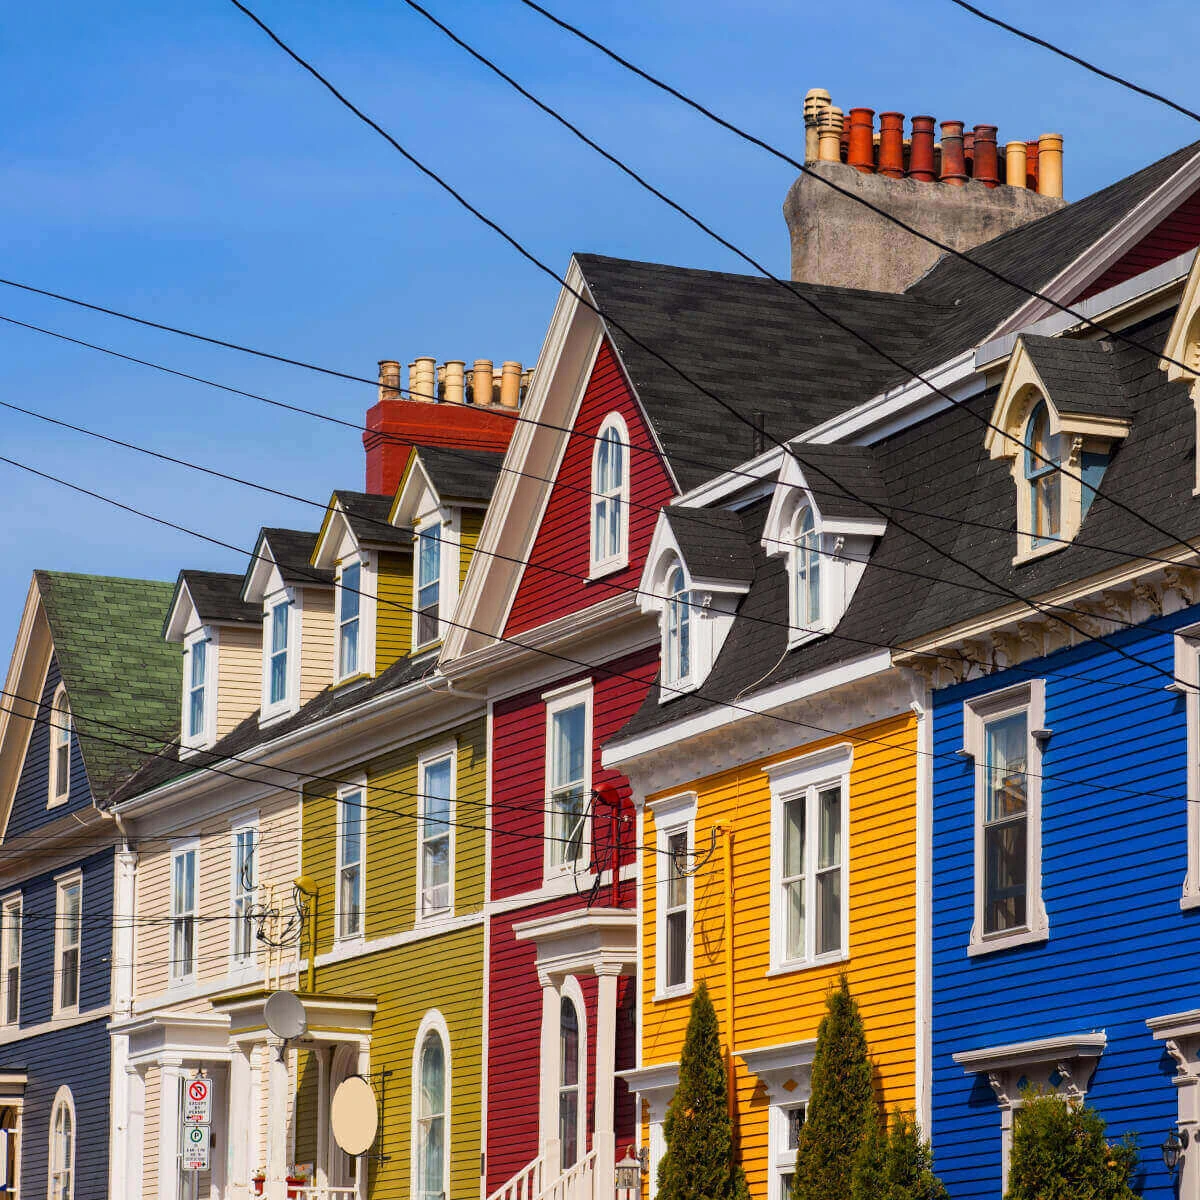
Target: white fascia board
(616,753)
(182,617)
(1095,308)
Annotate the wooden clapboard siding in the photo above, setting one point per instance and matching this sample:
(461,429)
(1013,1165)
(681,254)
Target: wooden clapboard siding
(239,676)
(563,538)
(393,612)
(788,1007)
(1113,865)
(472,523)
(151,1123)
(316,642)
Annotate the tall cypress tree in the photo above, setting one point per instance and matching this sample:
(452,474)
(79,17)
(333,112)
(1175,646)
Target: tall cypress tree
(840,1104)
(910,1162)
(701,1159)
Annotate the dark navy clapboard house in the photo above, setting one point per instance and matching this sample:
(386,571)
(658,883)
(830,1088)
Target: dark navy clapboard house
(91,693)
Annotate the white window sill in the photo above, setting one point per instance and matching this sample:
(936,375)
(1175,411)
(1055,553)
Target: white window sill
(676,689)
(242,970)
(349,939)
(59,802)
(443,916)
(61,1014)
(806,636)
(599,570)
(273,714)
(807,964)
(190,749)
(182,986)
(990,943)
(1189,899)
(675,993)
(1032,555)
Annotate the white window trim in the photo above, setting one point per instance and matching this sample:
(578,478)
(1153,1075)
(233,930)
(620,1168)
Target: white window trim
(52,799)
(784,1073)
(360,785)
(176,978)
(62,1098)
(449,558)
(791,779)
(431,1022)
(687,681)
(427,758)
(557,701)
(61,883)
(14,900)
(797,634)
(368,584)
(672,815)
(208,735)
(290,703)
(1030,698)
(781,1160)
(599,567)
(247,824)
(570,990)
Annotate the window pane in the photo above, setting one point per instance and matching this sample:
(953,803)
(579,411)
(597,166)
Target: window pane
(567,825)
(435,874)
(829,911)
(794,920)
(568,748)
(676,861)
(62,768)
(349,591)
(1007,742)
(568,1126)
(1005,848)
(435,796)
(199,654)
(676,948)
(793,838)
(279,678)
(350,902)
(830,839)
(348,649)
(429,558)
(351,841)
(795,1121)
(279,628)
(568,1043)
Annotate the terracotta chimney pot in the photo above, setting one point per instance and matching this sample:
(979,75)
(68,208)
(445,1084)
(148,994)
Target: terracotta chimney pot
(891,145)
(1050,165)
(455,372)
(969,151)
(510,385)
(830,135)
(987,162)
(954,165)
(860,149)
(1031,165)
(920,163)
(389,379)
(1016,164)
(422,380)
(481,382)
(815,103)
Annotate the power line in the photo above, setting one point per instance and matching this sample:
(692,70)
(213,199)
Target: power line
(1082,62)
(687,378)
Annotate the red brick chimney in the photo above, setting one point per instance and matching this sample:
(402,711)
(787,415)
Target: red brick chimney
(433,411)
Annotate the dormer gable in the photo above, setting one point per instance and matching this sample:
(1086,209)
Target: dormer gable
(1061,412)
(823,522)
(221,636)
(442,498)
(698,568)
(1181,354)
(295,600)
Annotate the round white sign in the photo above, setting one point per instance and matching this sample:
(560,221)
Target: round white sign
(354,1115)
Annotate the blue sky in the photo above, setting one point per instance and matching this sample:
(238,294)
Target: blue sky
(166,159)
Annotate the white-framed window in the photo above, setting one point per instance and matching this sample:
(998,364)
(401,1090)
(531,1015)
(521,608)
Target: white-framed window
(60,748)
(427,585)
(572,1074)
(68,930)
(677,631)
(1003,733)
(282,625)
(806,572)
(1043,478)
(784,1136)
(610,497)
(675,842)
(1187,682)
(183,912)
(568,777)
(351,860)
(10,958)
(244,884)
(810,860)
(200,688)
(61,1183)
(349,620)
(435,834)
(431,1109)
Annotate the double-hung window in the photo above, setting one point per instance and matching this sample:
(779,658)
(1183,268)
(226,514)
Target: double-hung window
(674,823)
(787,1120)
(277,667)
(568,777)
(1043,478)
(428,583)
(809,858)
(68,929)
(349,609)
(677,630)
(1002,735)
(429,1133)
(197,703)
(60,748)
(10,958)
(610,497)
(183,914)
(806,575)
(351,829)
(245,891)
(436,829)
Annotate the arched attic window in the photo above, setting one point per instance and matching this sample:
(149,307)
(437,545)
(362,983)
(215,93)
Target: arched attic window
(1042,477)
(60,748)
(806,571)
(677,630)
(610,497)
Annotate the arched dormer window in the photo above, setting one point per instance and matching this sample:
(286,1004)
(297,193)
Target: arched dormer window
(677,630)
(610,497)
(1042,477)
(806,572)
(62,1146)
(60,749)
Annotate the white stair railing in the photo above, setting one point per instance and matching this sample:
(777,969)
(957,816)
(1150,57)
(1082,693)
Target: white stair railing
(526,1184)
(575,1183)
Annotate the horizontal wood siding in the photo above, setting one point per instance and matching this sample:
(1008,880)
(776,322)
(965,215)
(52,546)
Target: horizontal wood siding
(393,612)
(472,523)
(316,642)
(563,539)
(1113,865)
(150,1133)
(29,809)
(239,676)
(1173,236)
(519,769)
(788,1007)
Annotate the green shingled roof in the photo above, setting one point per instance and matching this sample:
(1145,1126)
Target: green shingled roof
(116,667)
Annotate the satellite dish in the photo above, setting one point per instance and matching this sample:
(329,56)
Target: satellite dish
(354,1115)
(285,1016)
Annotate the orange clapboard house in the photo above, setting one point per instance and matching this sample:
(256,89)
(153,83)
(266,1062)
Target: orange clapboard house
(779,828)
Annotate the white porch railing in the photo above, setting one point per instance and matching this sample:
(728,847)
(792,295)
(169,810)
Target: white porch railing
(313,1192)
(575,1183)
(526,1184)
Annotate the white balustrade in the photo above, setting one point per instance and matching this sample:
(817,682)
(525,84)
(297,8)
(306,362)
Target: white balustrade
(526,1184)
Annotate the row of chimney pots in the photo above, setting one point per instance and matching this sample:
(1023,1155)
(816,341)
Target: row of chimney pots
(454,383)
(962,154)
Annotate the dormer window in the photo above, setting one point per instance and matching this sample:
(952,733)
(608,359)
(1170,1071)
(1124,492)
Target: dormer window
(199,690)
(60,748)
(1043,478)
(427,585)
(806,572)
(278,664)
(610,497)
(349,609)
(281,655)
(677,631)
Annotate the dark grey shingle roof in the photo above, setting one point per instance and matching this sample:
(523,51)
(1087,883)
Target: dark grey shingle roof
(1080,377)
(845,480)
(218,597)
(292,550)
(461,474)
(367,516)
(713,543)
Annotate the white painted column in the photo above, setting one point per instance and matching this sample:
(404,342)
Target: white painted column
(171,1082)
(243,1120)
(324,1056)
(362,1164)
(121,985)
(118,1115)
(278,1084)
(548,1147)
(135,1133)
(604,1139)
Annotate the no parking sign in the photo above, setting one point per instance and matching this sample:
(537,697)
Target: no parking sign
(197,1101)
